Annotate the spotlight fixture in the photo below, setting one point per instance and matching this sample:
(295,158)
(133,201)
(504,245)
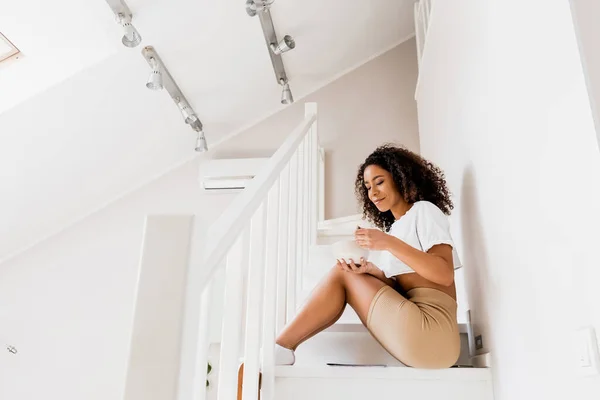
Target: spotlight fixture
(286,93)
(201,145)
(123,15)
(287,44)
(131,37)
(155,78)
(276,47)
(255,6)
(189,116)
(160,75)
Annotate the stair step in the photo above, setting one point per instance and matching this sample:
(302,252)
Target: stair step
(350,383)
(367,372)
(349,327)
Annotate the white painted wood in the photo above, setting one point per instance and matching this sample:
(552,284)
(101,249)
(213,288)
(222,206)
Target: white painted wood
(396,373)
(418,36)
(309,190)
(270,294)
(323,382)
(199,391)
(155,349)
(237,260)
(427,13)
(300,215)
(254,309)
(321,184)
(423,25)
(226,228)
(312,190)
(307,183)
(191,323)
(341,220)
(282,254)
(292,240)
(314,151)
(304,215)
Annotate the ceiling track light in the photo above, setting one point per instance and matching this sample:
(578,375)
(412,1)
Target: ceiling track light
(155,78)
(201,145)
(276,47)
(168,83)
(123,15)
(286,93)
(253,7)
(287,44)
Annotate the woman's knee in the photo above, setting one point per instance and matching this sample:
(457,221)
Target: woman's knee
(336,272)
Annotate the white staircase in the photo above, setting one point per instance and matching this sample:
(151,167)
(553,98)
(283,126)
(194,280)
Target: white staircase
(272,249)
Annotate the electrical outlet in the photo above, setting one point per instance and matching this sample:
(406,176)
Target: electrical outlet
(478,342)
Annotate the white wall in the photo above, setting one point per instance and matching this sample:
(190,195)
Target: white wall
(154,360)
(67,304)
(586,14)
(361,110)
(504,111)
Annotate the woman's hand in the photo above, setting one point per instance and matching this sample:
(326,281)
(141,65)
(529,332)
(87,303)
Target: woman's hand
(365,267)
(372,239)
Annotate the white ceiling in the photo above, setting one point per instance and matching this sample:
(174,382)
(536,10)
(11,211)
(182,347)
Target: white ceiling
(78,128)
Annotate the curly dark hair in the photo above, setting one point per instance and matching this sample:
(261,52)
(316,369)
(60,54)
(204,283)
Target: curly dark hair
(415,178)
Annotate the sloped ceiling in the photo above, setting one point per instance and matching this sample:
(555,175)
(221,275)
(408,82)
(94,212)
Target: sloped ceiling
(90,131)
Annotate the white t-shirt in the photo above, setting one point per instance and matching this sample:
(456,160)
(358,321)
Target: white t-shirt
(422,227)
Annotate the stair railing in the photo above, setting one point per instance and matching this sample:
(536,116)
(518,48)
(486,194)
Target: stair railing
(265,234)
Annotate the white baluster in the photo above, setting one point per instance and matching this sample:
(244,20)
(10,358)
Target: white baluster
(293,237)
(314,151)
(203,344)
(300,220)
(237,261)
(321,162)
(309,139)
(270,295)
(254,307)
(306,214)
(282,263)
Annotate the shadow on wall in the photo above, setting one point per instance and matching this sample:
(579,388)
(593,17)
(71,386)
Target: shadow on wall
(476,272)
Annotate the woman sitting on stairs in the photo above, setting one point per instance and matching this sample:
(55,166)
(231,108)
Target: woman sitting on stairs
(408,301)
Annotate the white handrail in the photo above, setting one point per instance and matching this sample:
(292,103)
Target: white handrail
(225,230)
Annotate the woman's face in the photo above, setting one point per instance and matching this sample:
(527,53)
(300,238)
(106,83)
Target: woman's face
(380,187)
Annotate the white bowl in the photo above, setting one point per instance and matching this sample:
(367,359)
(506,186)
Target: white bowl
(349,250)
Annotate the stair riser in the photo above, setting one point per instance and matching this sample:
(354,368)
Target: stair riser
(354,348)
(373,388)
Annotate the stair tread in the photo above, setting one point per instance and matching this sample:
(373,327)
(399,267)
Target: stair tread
(390,372)
(357,326)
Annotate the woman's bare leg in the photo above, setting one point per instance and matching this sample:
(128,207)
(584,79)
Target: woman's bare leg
(326,304)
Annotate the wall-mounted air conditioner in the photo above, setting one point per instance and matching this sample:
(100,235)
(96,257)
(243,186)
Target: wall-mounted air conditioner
(229,174)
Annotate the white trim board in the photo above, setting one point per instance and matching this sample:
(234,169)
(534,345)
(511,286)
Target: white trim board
(395,373)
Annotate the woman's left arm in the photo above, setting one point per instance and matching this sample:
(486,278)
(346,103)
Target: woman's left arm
(434,265)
